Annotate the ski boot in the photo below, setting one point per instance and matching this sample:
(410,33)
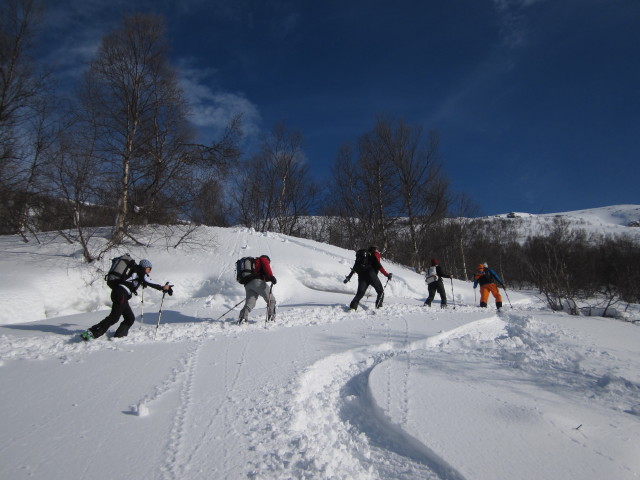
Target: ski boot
(87,335)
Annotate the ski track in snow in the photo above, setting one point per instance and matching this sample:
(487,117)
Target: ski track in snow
(328,444)
(173,467)
(328,417)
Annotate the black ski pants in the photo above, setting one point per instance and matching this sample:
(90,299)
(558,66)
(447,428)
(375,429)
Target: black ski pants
(434,287)
(120,307)
(364,280)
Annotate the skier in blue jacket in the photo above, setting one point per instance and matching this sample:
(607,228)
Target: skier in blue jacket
(488,279)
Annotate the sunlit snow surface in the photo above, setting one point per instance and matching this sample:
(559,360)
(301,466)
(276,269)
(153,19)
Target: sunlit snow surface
(404,392)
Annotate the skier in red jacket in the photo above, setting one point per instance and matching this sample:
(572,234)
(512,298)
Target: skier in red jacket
(257,287)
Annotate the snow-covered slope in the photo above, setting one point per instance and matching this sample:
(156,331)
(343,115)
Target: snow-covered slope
(615,220)
(403,392)
(614,215)
(49,280)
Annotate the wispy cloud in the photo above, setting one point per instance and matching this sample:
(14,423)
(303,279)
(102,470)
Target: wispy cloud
(212,110)
(73,31)
(513,20)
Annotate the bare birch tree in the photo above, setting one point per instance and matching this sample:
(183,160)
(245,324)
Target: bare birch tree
(347,201)
(276,190)
(380,184)
(395,182)
(22,113)
(131,94)
(421,186)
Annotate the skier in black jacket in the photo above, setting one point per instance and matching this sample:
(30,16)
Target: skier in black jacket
(368,275)
(121,293)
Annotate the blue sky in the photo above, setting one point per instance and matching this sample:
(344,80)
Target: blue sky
(537,102)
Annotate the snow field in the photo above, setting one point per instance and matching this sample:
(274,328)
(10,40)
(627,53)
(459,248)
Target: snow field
(403,392)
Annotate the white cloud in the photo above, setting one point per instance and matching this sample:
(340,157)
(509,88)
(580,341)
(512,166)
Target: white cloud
(214,109)
(513,20)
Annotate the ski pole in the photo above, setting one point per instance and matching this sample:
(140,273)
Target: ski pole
(425,281)
(268,304)
(453,295)
(142,306)
(505,292)
(160,313)
(229,310)
(381,299)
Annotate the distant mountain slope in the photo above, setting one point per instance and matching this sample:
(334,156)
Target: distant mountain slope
(621,215)
(613,220)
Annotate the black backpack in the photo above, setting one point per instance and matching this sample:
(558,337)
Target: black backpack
(363,260)
(121,268)
(488,274)
(245,270)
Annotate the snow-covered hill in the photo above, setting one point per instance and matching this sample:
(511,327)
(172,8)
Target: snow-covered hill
(405,391)
(606,217)
(615,220)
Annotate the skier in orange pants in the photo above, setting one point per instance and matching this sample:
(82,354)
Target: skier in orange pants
(488,280)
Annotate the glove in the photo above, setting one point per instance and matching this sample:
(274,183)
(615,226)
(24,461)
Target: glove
(273,280)
(390,276)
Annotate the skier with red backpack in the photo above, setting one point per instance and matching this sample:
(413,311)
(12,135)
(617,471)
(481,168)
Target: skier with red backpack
(254,273)
(367,266)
